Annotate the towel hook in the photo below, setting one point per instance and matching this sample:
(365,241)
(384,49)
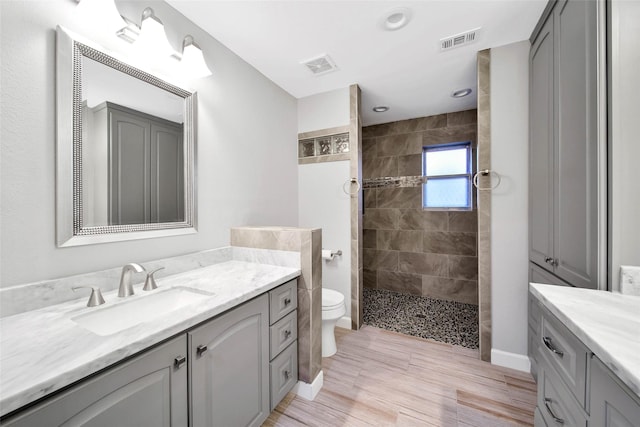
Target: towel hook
(349,182)
(486,172)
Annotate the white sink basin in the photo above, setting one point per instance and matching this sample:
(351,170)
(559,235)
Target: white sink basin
(138,309)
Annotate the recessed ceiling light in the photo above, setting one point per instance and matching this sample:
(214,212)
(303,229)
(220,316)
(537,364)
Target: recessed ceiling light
(461,93)
(380,108)
(396,18)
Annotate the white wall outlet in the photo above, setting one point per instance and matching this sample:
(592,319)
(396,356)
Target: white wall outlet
(630,280)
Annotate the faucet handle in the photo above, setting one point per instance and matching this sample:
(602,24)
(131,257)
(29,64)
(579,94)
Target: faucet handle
(96,296)
(150,284)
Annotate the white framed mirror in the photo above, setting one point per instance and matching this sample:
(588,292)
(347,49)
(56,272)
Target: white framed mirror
(126,149)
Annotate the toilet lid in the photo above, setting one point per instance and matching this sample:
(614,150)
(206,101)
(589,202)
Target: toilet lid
(331,299)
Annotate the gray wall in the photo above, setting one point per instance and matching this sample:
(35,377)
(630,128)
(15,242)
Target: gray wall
(247,139)
(509,204)
(624,153)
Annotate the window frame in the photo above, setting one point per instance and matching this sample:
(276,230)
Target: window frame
(468,175)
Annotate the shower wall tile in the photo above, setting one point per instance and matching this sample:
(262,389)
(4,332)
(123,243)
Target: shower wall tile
(462,118)
(370,279)
(381,260)
(403,198)
(454,243)
(465,291)
(375,167)
(463,267)
(381,219)
(404,242)
(398,145)
(369,149)
(399,240)
(370,198)
(410,165)
(418,219)
(463,221)
(370,239)
(424,264)
(400,282)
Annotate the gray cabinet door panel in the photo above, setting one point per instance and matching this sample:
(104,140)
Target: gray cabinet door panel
(230,379)
(611,405)
(541,147)
(576,222)
(148,391)
(167,171)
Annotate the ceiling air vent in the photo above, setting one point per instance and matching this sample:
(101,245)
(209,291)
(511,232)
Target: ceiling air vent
(320,65)
(458,40)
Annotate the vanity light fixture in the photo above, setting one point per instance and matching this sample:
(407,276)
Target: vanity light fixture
(461,93)
(380,108)
(152,40)
(102,14)
(192,62)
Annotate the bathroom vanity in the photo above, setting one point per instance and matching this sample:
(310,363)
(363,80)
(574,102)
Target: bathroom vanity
(226,358)
(584,346)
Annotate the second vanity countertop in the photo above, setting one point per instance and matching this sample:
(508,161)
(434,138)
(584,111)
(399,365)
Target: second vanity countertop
(43,350)
(607,323)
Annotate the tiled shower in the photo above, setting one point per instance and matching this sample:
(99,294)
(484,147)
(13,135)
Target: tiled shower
(420,266)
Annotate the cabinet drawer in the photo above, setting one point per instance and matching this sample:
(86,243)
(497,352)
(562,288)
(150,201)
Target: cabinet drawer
(282,301)
(284,373)
(555,402)
(283,333)
(565,353)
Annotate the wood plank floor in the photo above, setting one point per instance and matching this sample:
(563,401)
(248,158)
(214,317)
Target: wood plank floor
(382,378)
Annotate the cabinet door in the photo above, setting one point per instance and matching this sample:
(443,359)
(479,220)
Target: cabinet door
(167,173)
(541,147)
(576,169)
(147,391)
(611,405)
(129,177)
(229,363)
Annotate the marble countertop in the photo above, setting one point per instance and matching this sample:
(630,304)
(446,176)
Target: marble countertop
(607,323)
(44,350)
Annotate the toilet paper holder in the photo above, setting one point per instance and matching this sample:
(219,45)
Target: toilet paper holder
(329,254)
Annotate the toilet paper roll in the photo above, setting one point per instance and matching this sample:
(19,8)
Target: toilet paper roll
(327,254)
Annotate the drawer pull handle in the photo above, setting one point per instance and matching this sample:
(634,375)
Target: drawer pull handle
(287,374)
(287,301)
(547,343)
(179,361)
(287,334)
(547,404)
(201,349)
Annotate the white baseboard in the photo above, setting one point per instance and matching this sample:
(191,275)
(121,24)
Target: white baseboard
(344,322)
(309,391)
(516,361)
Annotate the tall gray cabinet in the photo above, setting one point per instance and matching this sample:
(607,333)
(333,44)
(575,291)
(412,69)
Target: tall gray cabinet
(140,177)
(566,127)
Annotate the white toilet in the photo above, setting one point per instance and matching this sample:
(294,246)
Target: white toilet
(333,309)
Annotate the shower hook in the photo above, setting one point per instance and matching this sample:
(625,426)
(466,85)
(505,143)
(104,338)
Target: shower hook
(349,182)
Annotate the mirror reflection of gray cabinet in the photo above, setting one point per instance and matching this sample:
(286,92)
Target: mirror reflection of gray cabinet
(148,391)
(229,363)
(142,181)
(564,145)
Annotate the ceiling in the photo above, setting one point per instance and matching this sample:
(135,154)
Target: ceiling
(403,69)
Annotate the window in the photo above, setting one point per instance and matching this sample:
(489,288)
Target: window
(448,172)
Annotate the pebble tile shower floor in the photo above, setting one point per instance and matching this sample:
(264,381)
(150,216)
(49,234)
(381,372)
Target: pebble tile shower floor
(445,321)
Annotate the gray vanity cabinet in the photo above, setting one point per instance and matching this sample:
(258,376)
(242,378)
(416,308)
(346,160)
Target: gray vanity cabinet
(564,144)
(229,368)
(149,390)
(611,405)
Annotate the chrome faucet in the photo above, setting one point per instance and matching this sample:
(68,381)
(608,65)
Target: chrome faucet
(126,289)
